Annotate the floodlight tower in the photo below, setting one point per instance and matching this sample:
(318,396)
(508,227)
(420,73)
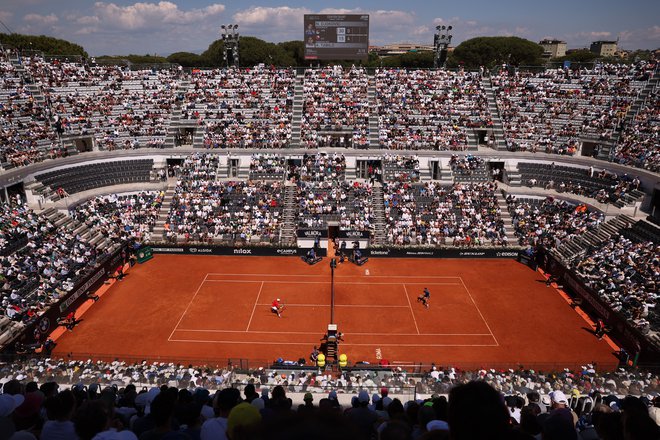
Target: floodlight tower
(441,40)
(230,38)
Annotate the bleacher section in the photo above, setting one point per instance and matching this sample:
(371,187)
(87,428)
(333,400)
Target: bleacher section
(436,215)
(246,108)
(429,109)
(120,108)
(26,136)
(623,270)
(207,210)
(549,222)
(335,109)
(82,178)
(400,168)
(267,167)
(600,185)
(639,143)
(552,110)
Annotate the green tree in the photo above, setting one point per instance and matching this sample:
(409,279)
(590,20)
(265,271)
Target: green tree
(42,43)
(578,56)
(417,59)
(639,55)
(296,50)
(491,51)
(212,56)
(186,59)
(252,51)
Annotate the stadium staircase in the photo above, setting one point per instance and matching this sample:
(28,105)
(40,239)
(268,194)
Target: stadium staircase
(446,175)
(296,117)
(289,214)
(509,230)
(175,119)
(38,189)
(580,245)
(498,127)
(648,90)
(164,211)
(373,113)
(88,235)
(513,177)
(378,208)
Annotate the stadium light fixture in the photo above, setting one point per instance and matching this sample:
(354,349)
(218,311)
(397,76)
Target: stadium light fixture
(441,41)
(230,38)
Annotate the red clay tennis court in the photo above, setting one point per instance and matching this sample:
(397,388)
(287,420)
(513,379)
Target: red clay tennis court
(207,308)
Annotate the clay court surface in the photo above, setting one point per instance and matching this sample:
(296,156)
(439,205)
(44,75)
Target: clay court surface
(209,309)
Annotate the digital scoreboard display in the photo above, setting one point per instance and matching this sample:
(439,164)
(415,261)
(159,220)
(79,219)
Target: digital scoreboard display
(336,37)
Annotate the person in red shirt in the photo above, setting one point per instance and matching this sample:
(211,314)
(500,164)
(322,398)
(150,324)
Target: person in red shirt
(69,321)
(277,307)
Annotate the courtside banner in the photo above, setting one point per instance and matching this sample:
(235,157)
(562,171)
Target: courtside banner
(312,233)
(263,251)
(440,253)
(353,234)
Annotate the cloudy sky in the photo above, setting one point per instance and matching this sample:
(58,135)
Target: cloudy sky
(121,27)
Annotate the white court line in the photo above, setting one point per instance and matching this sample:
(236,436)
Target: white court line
(255,306)
(395,276)
(480,314)
(410,307)
(267,275)
(324,282)
(316,333)
(376,306)
(325,275)
(343,343)
(189,304)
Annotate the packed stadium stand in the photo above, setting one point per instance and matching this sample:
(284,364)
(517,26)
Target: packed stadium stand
(528,188)
(248,108)
(429,109)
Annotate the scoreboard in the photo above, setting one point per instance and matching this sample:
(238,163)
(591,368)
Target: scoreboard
(336,37)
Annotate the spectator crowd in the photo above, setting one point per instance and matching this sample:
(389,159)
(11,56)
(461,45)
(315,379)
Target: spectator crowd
(624,272)
(49,399)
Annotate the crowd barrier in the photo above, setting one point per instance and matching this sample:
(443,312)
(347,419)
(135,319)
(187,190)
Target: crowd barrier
(442,252)
(261,251)
(38,330)
(639,347)
(409,252)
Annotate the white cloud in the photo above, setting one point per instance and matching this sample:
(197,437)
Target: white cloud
(385,18)
(87,20)
(139,16)
(281,16)
(421,30)
(341,11)
(452,21)
(41,19)
(595,34)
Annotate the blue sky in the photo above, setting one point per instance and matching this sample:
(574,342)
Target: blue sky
(121,27)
